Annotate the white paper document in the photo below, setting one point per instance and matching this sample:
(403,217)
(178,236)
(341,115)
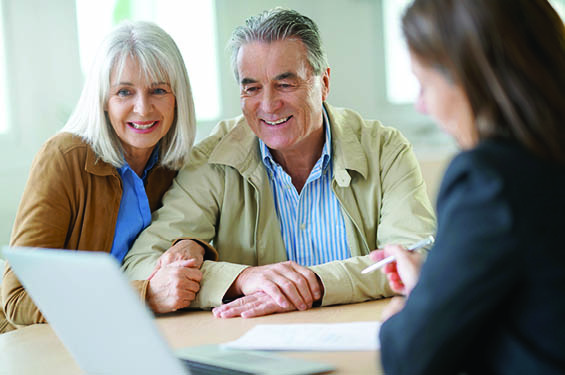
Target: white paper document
(352,336)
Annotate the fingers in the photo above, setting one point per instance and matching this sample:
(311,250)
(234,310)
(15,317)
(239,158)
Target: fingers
(377,255)
(407,267)
(287,283)
(298,284)
(172,288)
(254,305)
(183,250)
(191,263)
(278,289)
(313,283)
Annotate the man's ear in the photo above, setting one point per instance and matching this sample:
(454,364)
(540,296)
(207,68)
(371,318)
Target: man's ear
(325,84)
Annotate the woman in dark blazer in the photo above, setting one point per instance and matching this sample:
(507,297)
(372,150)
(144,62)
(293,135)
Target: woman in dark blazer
(490,298)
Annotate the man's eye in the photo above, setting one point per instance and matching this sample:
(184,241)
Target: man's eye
(250,89)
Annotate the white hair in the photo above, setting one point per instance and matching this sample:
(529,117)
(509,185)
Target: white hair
(159,60)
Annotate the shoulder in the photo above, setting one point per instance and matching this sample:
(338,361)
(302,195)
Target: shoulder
(474,171)
(65,145)
(226,133)
(496,160)
(374,137)
(230,144)
(496,172)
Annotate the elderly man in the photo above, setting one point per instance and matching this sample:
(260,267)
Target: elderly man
(293,195)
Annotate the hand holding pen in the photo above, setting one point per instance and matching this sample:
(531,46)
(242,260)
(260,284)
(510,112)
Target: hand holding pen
(403,275)
(415,246)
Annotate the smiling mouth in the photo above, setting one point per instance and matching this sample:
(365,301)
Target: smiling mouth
(143,125)
(277,122)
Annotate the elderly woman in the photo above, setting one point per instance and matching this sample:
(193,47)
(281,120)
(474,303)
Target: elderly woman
(94,185)
(490,298)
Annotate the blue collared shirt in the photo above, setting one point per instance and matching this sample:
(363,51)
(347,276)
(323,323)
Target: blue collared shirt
(312,225)
(134,214)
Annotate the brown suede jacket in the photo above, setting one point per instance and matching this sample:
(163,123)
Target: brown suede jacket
(71,201)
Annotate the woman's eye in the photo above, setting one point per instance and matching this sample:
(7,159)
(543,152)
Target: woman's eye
(159,91)
(124,92)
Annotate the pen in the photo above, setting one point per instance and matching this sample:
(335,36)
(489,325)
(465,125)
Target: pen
(418,245)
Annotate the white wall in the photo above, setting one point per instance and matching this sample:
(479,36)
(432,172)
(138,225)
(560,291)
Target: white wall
(43,83)
(44,78)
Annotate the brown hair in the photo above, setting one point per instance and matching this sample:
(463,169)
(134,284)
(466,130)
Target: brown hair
(509,58)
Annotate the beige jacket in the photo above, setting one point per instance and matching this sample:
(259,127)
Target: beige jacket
(223,197)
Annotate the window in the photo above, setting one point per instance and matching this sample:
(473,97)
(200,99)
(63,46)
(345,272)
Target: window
(401,85)
(192,24)
(559,6)
(3,88)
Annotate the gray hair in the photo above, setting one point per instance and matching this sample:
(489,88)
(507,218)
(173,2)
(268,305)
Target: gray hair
(159,60)
(278,24)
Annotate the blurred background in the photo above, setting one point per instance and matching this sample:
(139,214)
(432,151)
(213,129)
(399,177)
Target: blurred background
(46,46)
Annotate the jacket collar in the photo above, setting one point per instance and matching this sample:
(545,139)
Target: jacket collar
(96,166)
(239,148)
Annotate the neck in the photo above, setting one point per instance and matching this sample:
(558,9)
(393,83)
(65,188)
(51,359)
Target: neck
(298,163)
(137,159)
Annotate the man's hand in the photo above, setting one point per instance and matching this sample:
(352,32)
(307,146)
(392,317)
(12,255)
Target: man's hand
(288,284)
(253,305)
(173,286)
(182,250)
(404,272)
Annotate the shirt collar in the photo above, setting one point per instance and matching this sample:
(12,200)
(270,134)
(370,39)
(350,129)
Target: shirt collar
(326,157)
(150,164)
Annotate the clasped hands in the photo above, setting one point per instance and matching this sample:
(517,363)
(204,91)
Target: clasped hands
(270,289)
(174,282)
(257,291)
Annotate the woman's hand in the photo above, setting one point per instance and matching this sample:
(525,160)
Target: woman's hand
(173,286)
(395,305)
(182,250)
(403,273)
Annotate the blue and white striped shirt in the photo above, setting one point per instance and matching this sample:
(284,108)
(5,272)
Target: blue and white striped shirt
(311,222)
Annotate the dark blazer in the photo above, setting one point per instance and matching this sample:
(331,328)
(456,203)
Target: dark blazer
(491,295)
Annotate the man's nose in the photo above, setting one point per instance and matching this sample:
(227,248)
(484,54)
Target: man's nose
(270,101)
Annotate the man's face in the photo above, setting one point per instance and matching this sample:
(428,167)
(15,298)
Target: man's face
(281,98)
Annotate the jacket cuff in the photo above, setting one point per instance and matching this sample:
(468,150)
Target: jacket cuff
(141,287)
(217,278)
(337,285)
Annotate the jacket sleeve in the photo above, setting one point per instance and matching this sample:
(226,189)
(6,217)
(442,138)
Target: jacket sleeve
(406,216)
(472,257)
(190,211)
(43,219)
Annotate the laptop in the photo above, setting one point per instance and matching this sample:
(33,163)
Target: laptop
(104,325)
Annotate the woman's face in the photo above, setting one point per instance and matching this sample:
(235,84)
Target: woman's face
(141,112)
(445,102)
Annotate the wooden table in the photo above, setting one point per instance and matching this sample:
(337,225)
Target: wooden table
(37,350)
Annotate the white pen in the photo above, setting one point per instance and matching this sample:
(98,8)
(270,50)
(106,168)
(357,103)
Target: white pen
(415,246)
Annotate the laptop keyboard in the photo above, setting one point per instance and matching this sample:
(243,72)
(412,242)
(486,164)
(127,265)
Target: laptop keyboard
(199,368)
